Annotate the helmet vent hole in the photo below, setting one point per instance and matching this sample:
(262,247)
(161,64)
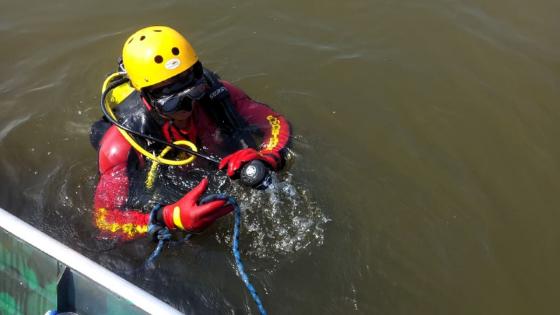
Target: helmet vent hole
(175,51)
(130,41)
(142,37)
(158,59)
(157,31)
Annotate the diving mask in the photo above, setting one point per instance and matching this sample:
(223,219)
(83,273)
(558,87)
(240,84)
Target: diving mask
(177,93)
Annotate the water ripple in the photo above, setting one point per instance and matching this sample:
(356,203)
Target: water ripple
(11,125)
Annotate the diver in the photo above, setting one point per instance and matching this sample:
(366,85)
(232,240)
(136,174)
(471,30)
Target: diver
(174,98)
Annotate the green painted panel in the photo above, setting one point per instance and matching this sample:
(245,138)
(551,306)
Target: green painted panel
(28,277)
(28,284)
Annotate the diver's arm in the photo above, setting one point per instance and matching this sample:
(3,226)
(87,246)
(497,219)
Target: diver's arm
(110,196)
(274,126)
(111,193)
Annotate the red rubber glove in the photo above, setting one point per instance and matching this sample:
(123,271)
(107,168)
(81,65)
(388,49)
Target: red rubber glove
(236,160)
(187,215)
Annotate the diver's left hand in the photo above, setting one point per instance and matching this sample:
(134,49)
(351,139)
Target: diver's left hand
(190,215)
(236,160)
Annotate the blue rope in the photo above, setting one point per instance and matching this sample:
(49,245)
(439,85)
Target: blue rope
(235,247)
(240,268)
(163,235)
(159,232)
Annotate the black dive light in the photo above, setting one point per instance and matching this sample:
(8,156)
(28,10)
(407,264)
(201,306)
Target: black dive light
(255,174)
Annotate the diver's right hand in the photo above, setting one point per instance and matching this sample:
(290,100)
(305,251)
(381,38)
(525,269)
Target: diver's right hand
(186,214)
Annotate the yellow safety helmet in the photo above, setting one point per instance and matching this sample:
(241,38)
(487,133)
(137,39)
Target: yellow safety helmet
(155,54)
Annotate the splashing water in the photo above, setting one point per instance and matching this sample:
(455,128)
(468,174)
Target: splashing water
(277,222)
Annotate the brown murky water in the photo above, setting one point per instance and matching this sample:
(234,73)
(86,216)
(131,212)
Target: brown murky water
(426,136)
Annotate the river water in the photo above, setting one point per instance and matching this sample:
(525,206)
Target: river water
(425,136)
